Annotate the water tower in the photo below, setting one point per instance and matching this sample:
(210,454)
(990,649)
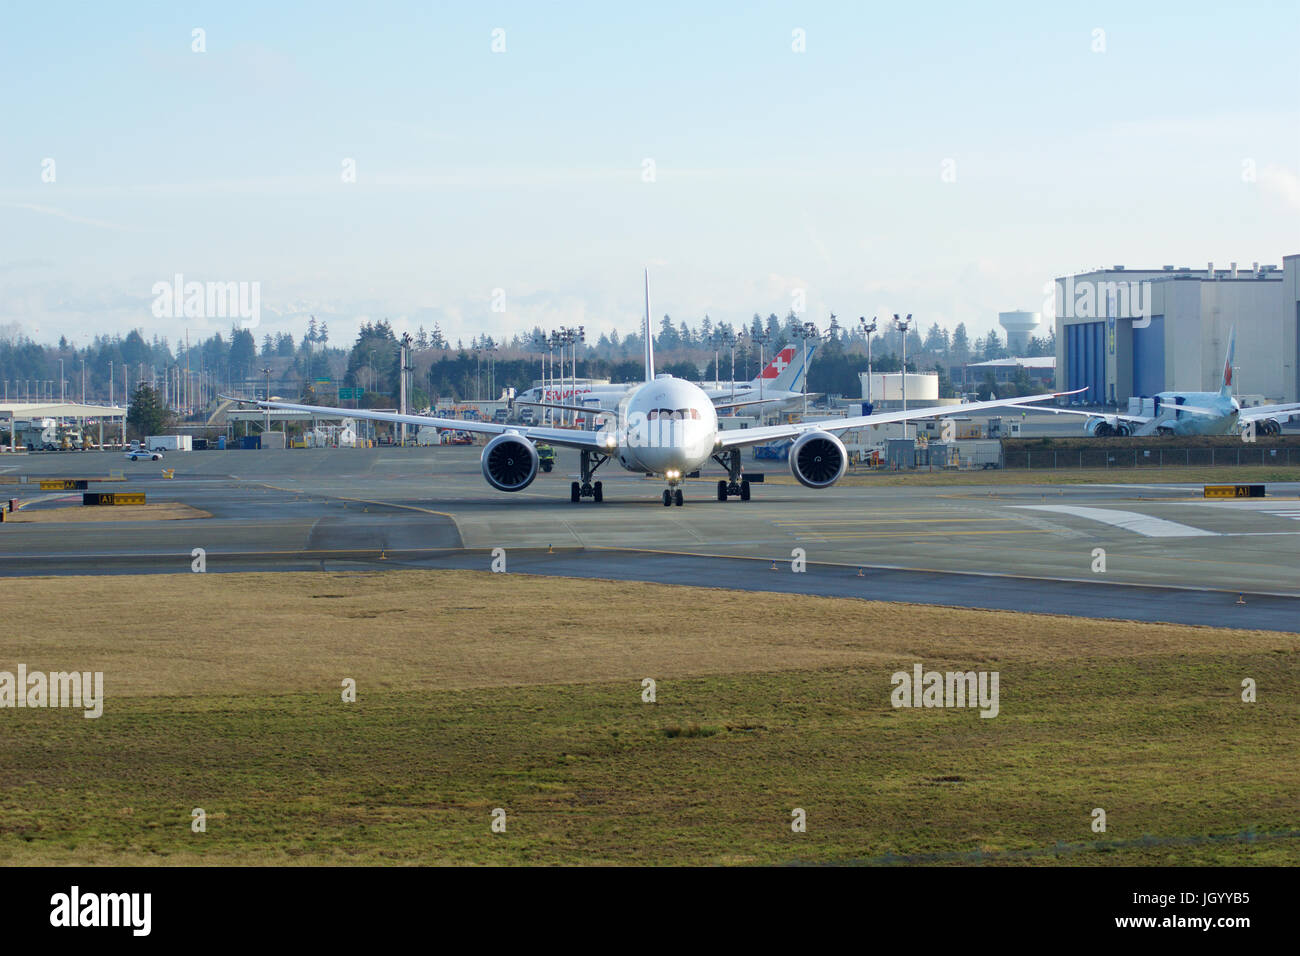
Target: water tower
(1020,327)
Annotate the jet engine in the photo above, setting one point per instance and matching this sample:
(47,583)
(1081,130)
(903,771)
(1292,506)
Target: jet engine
(1102,428)
(509,463)
(818,459)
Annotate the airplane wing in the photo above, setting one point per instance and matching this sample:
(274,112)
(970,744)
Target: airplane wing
(571,408)
(752,401)
(1165,413)
(567,437)
(754,436)
(1259,412)
(1115,416)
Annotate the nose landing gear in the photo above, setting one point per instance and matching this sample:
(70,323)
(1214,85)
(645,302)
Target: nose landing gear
(673,496)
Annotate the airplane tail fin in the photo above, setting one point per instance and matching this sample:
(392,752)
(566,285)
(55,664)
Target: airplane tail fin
(649,334)
(785,371)
(1225,389)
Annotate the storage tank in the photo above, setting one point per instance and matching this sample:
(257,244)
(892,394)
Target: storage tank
(1020,327)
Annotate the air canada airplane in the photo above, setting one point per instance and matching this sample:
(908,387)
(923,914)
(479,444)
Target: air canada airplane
(1191,413)
(665,427)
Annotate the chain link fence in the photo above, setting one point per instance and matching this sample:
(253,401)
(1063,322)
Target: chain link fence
(1154,457)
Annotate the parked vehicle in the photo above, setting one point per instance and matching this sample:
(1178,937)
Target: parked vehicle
(545,456)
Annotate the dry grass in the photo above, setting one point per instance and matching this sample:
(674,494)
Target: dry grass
(444,630)
(163,511)
(478,690)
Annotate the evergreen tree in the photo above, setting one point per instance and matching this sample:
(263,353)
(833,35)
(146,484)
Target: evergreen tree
(993,346)
(959,351)
(147,414)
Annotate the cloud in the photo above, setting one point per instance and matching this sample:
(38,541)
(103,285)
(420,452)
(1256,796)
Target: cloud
(60,214)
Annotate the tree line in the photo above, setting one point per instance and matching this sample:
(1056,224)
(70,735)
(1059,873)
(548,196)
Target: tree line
(483,367)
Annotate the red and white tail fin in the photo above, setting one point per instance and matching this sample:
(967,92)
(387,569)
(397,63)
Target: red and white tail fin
(785,371)
(1225,388)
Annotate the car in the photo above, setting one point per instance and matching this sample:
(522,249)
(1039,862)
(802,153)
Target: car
(135,454)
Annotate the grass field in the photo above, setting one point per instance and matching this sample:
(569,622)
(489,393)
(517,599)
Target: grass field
(479,691)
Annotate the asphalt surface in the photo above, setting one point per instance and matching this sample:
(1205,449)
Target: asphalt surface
(1168,554)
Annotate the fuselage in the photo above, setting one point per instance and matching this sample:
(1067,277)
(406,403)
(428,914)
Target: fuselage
(1170,419)
(666,427)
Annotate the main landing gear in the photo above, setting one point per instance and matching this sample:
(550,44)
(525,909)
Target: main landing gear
(586,488)
(735,485)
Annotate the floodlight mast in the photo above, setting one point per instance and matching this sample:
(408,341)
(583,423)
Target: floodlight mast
(868,330)
(903,326)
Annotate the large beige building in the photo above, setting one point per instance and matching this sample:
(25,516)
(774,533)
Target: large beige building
(1123,332)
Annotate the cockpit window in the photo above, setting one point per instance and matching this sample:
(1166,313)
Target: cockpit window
(671,414)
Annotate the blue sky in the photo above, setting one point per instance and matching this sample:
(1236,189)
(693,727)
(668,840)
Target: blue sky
(775,170)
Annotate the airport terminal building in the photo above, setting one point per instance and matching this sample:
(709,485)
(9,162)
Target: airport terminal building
(1125,332)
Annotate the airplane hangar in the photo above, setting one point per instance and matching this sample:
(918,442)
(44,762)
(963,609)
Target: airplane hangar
(1124,332)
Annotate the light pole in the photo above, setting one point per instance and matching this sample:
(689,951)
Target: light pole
(267,427)
(762,340)
(405,367)
(552,341)
(729,339)
(867,330)
(903,326)
(806,331)
(716,341)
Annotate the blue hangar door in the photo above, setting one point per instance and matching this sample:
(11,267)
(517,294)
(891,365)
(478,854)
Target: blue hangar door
(1149,357)
(1085,361)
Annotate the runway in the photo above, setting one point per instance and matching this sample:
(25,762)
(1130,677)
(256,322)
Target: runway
(1157,552)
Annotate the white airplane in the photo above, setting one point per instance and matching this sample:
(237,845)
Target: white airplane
(1191,413)
(778,386)
(666,427)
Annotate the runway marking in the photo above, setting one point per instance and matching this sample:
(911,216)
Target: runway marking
(366,501)
(1144,525)
(866,535)
(852,521)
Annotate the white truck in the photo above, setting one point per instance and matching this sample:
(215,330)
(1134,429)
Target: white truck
(47,434)
(169,443)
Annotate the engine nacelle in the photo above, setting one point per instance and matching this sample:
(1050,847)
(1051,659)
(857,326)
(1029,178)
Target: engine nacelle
(509,463)
(818,459)
(1099,427)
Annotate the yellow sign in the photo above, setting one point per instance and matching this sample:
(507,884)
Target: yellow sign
(1234,491)
(113,498)
(63,484)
